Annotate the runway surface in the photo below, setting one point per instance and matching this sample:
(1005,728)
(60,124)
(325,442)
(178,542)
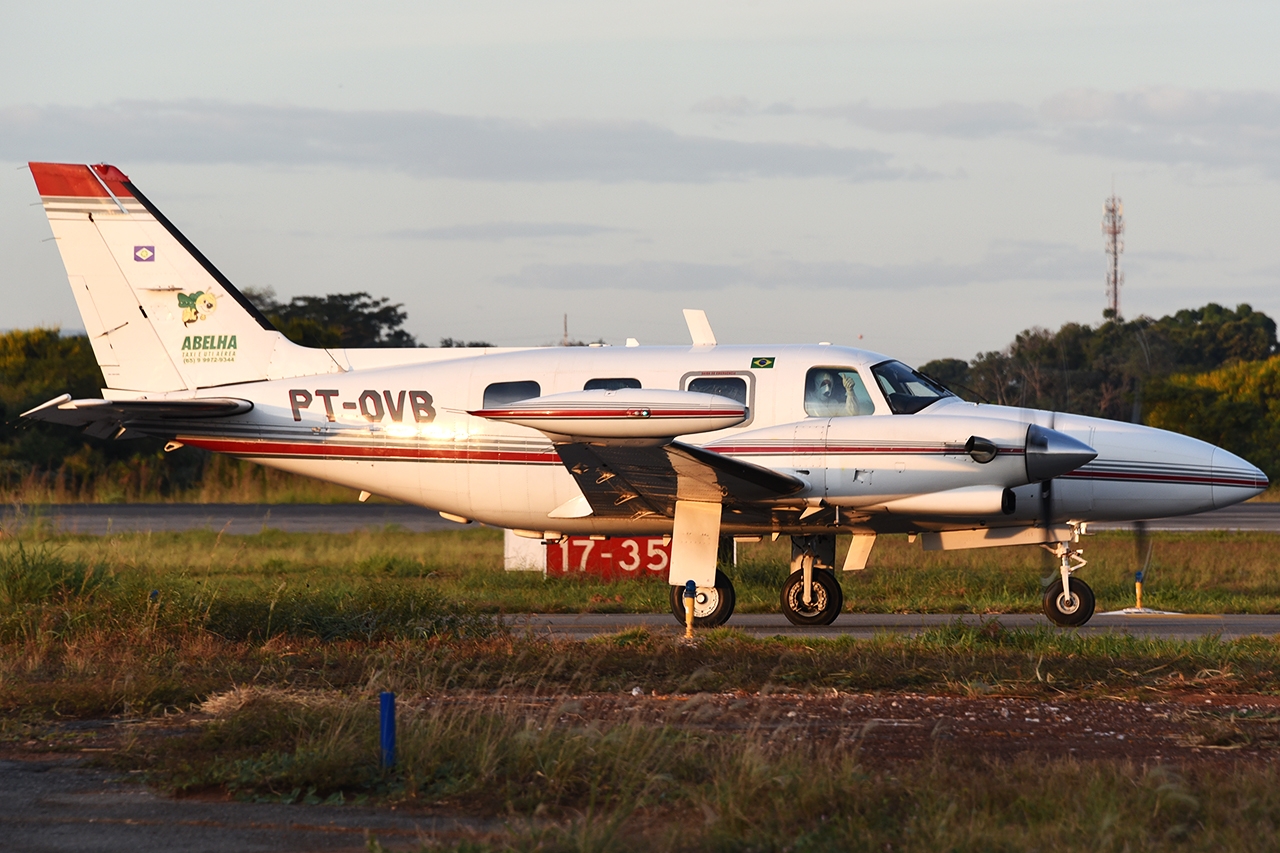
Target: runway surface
(1254,516)
(98,519)
(863,625)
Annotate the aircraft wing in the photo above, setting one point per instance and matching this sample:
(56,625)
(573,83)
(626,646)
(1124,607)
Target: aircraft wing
(620,447)
(107,418)
(626,481)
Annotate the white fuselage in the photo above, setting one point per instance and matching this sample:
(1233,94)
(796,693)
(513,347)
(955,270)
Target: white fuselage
(404,432)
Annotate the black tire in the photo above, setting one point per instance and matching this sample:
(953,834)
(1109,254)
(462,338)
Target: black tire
(1064,613)
(713,605)
(828,599)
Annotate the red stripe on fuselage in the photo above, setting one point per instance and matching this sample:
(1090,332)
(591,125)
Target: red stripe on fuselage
(809,449)
(607,413)
(1178,479)
(317,450)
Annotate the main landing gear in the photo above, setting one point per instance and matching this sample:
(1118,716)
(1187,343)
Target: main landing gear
(712,606)
(812,594)
(823,603)
(1068,601)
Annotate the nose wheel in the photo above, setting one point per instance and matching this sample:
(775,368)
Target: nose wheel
(712,606)
(826,598)
(1070,608)
(1068,601)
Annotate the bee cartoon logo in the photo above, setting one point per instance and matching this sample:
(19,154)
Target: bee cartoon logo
(196,306)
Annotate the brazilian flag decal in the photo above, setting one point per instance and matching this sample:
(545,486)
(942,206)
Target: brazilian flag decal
(762,363)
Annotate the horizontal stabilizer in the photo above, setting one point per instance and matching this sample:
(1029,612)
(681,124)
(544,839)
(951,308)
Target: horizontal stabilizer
(105,418)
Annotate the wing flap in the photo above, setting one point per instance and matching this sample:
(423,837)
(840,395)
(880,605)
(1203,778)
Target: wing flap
(630,481)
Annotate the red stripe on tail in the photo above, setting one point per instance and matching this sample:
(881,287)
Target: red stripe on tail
(67,180)
(114,179)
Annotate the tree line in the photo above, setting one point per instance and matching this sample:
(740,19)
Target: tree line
(42,462)
(1209,372)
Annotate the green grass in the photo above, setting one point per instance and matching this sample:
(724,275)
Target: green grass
(139,622)
(86,477)
(286,639)
(564,785)
(1193,573)
(137,664)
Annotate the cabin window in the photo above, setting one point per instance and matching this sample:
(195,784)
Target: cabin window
(733,387)
(836,392)
(610,384)
(738,386)
(501,393)
(907,391)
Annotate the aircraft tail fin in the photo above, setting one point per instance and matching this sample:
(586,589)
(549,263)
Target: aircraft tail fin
(159,315)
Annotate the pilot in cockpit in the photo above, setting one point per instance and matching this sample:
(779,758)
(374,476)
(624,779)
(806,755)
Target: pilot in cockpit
(825,396)
(831,392)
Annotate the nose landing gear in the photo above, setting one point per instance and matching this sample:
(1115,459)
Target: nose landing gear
(1068,601)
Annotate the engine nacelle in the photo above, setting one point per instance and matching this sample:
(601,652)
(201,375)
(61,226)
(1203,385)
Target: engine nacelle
(622,413)
(967,502)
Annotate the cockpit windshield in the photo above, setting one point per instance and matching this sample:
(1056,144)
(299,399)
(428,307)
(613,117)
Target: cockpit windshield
(906,391)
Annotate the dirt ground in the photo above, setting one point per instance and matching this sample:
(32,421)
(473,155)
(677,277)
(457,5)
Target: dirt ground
(907,727)
(886,727)
(61,803)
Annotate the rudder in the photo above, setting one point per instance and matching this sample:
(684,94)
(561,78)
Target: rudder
(159,315)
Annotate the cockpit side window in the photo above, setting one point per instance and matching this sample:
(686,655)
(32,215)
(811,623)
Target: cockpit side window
(836,392)
(906,391)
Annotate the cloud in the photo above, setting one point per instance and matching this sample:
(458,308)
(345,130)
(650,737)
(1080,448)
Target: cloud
(419,143)
(739,106)
(1014,261)
(965,120)
(970,120)
(1166,125)
(499,231)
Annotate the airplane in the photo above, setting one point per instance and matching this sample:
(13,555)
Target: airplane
(697,443)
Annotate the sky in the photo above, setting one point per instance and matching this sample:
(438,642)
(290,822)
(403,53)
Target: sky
(920,178)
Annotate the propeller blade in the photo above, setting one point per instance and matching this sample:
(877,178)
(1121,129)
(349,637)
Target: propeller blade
(1048,563)
(1142,545)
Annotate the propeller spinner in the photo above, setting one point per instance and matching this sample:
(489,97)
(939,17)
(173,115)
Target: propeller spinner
(1051,453)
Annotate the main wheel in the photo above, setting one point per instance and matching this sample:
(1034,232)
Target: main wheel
(825,604)
(712,606)
(1068,611)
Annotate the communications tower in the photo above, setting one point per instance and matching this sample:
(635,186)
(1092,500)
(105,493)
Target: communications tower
(1113,231)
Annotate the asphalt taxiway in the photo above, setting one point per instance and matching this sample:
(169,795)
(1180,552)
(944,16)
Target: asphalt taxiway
(579,626)
(102,519)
